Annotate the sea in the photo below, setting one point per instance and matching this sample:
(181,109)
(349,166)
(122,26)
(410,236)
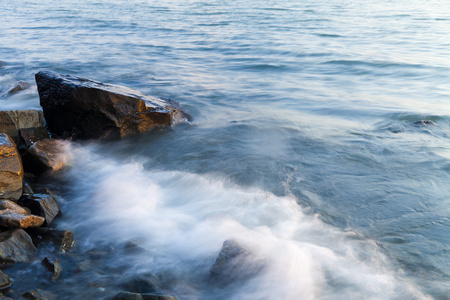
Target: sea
(319,142)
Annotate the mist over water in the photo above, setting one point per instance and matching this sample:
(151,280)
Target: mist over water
(319,141)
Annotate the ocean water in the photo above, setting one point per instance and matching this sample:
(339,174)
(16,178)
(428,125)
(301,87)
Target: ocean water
(308,145)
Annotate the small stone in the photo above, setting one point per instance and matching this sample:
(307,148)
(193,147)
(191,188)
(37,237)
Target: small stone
(11,170)
(29,136)
(54,266)
(46,155)
(13,215)
(41,205)
(16,246)
(19,86)
(5,282)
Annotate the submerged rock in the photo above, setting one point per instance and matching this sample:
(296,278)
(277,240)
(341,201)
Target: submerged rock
(19,86)
(41,205)
(81,108)
(13,215)
(16,246)
(11,170)
(46,155)
(234,262)
(13,120)
(39,295)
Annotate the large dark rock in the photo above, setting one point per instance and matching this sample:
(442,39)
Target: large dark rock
(46,155)
(235,262)
(81,108)
(13,120)
(16,246)
(11,170)
(13,215)
(41,205)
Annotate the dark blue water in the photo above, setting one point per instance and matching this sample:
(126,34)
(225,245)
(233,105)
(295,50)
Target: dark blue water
(306,144)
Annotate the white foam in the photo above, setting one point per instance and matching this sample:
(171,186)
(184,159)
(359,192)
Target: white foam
(182,219)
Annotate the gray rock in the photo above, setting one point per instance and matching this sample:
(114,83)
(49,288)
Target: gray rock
(16,246)
(11,170)
(13,120)
(19,86)
(41,205)
(81,108)
(45,155)
(13,215)
(235,262)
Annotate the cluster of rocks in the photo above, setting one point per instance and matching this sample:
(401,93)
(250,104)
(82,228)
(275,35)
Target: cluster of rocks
(73,108)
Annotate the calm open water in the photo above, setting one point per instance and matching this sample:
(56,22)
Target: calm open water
(306,145)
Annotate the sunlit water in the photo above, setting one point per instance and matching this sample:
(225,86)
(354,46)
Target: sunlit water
(305,145)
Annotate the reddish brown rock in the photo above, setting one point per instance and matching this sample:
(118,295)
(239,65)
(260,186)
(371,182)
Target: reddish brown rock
(19,86)
(11,170)
(13,215)
(41,205)
(29,136)
(81,108)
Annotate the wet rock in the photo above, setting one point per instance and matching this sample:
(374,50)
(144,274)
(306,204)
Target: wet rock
(13,120)
(137,296)
(53,265)
(16,246)
(11,170)
(424,123)
(3,297)
(19,86)
(234,262)
(27,190)
(5,282)
(46,155)
(29,136)
(61,239)
(39,295)
(144,283)
(41,205)
(13,215)
(80,108)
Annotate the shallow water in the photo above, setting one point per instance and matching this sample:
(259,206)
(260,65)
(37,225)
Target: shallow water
(306,144)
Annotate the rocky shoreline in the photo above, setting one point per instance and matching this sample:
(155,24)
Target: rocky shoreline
(34,143)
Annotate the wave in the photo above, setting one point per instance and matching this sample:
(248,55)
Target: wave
(180,220)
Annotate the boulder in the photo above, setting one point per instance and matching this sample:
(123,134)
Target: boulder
(13,215)
(16,246)
(11,170)
(13,120)
(61,239)
(53,265)
(19,86)
(46,155)
(234,262)
(41,205)
(5,282)
(29,136)
(81,108)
